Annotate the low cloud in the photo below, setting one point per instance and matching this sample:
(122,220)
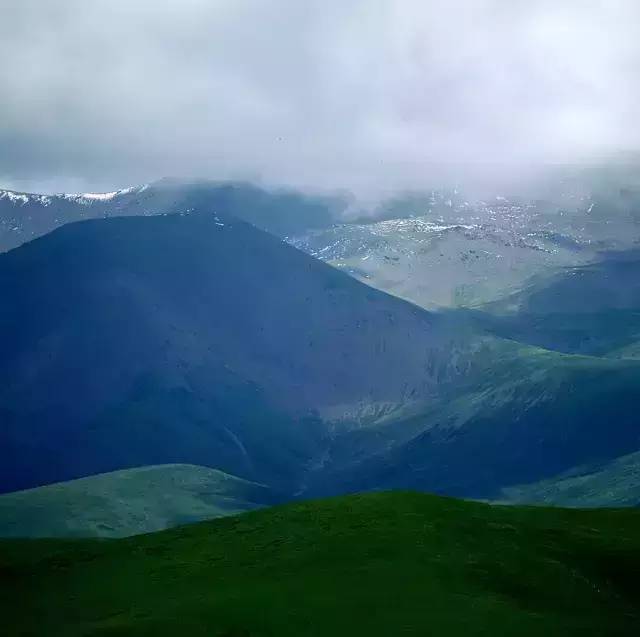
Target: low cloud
(365,95)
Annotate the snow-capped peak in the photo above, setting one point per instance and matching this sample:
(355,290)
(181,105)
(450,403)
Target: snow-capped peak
(14,197)
(87,198)
(22,198)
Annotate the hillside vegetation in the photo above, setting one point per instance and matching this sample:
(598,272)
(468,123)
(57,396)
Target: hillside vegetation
(395,563)
(127,502)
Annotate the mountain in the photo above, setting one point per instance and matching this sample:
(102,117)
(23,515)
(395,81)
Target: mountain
(434,248)
(25,216)
(468,254)
(375,564)
(438,263)
(128,502)
(197,339)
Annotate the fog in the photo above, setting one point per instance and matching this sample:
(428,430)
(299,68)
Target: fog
(366,95)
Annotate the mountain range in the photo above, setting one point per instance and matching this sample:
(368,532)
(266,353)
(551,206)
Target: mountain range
(460,253)
(197,338)
(26,216)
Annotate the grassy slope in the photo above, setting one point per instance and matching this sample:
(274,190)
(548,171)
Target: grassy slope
(378,564)
(126,502)
(613,484)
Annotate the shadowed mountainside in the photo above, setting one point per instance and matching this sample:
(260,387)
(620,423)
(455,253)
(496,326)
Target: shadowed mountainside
(195,339)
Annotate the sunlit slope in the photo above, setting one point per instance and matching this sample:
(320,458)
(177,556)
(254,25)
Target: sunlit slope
(127,502)
(615,483)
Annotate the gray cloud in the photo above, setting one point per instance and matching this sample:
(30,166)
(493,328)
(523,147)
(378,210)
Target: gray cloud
(365,94)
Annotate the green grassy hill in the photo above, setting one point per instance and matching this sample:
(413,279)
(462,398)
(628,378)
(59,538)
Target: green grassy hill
(127,502)
(384,564)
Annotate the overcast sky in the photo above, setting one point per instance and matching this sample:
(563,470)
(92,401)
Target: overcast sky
(97,94)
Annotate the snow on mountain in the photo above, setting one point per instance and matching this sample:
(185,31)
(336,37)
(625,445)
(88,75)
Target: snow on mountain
(473,254)
(25,216)
(89,198)
(22,198)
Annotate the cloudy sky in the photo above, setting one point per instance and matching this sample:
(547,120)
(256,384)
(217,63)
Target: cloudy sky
(325,94)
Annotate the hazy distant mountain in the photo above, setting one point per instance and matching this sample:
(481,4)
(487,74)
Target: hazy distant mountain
(25,216)
(455,253)
(434,248)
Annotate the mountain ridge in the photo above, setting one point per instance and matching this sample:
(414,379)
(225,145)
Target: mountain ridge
(25,216)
